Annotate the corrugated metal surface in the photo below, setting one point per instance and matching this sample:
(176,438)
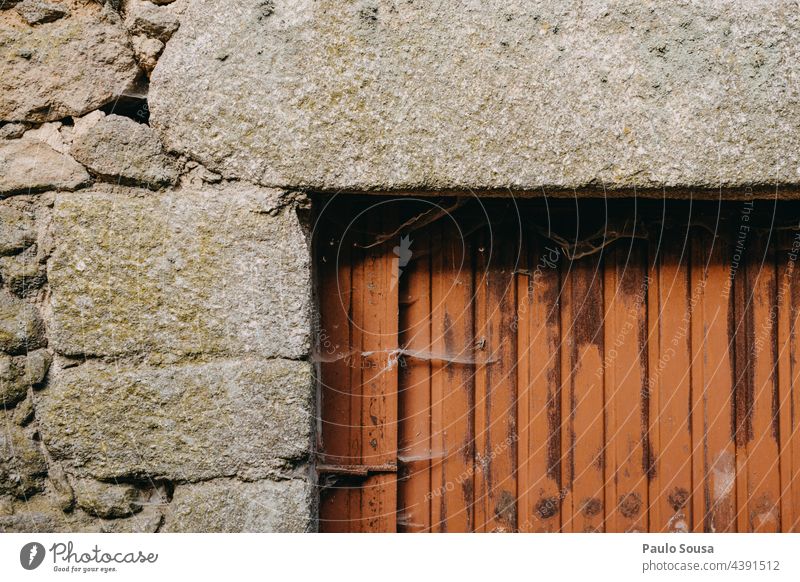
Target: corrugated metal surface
(557,366)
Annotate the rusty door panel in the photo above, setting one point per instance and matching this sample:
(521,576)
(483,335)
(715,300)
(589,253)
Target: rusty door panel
(713,340)
(539,388)
(496,260)
(757,430)
(627,397)
(545,366)
(583,450)
(379,342)
(414,394)
(788,301)
(669,383)
(452,358)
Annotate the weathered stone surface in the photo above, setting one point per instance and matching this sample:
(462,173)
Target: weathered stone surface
(21,328)
(29,522)
(12,385)
(147,521)
(17,230)
(227,505)
(29,165)
(58,486)
(205,270)
(19,373)
(50,134)
(36,366)
(23,413)
(148,502)
(118,148)
(38,12)
(41,513)
(67,67)
(22,464)
(83,124)
(184,422)
(23,274)
(12,130)
(147,51)
(372,94)
(108,500)
(142,17)
(196,174)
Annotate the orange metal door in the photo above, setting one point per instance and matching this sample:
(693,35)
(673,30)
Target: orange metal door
(544,366)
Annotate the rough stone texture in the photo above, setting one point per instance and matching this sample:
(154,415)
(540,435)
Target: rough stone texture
(29,165)
(185,422)
(83,124)
(22,464)
(191,300)
(107,500)
(142,17)
(12,384)
(21,328)
(118,148)
(147,51)
(381,95)
(40,513)
(197,174)
(59,487)
(53,509)
(36,365)
(23,413)
(196,271)
(38,12)
(147,521)
(12,130)
(17,374)
(17,231)
(67,67)
(23,274)
(227,505)
(50,134)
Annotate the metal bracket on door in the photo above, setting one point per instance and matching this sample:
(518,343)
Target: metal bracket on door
(355,470)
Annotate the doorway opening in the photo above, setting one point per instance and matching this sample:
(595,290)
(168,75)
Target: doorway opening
(546,365)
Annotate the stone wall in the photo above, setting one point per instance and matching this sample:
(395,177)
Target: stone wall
(154,316)
(155,304)
(486,94)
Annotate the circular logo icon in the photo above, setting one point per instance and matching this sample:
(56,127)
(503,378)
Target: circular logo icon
(31,555)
